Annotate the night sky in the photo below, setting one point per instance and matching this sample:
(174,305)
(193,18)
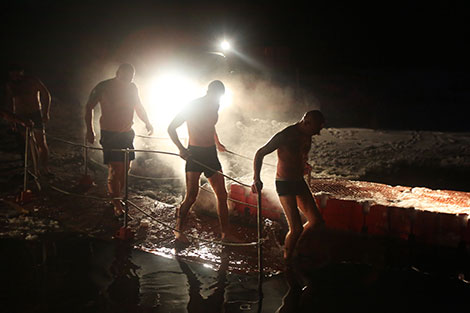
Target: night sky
(380,64)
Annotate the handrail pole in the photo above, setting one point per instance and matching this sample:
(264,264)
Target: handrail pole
(26,146)
(126,186)
(85,157)
(260,254)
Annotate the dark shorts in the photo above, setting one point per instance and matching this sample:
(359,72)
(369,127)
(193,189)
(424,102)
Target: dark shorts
(115,140)
(206,156)
(36,117)
(291,187)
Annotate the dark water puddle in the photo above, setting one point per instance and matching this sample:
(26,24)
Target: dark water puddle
(70,273)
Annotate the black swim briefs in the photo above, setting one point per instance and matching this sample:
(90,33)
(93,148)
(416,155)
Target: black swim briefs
(206,156)
(115,140)
(291,187)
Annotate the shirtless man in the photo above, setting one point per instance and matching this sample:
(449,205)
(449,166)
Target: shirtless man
(293,144)
(200,116)
(29,99)
(118,98)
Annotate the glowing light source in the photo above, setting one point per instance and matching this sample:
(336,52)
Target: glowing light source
(225,45)
(166,96)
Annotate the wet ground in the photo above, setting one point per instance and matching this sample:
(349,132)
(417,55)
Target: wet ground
(58,253)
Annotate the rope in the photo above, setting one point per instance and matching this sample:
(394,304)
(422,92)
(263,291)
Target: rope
(138,176)
(149,151)
(82,196)
(248,158)
(260,240)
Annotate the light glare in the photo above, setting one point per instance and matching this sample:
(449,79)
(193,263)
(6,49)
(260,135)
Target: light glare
(225,45)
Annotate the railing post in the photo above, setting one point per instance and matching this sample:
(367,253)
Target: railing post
(126,186)
(260,254)
(26,148)
(85,157)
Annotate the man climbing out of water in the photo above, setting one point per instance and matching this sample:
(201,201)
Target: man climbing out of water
(29,99)
(200,116)
(118,98)
(293,144)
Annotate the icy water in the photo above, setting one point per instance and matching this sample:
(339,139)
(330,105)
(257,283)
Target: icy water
(70,273)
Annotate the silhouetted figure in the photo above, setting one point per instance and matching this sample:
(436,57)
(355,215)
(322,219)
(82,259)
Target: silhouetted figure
(29,100)
(118,98)
(200,116)
(293,144)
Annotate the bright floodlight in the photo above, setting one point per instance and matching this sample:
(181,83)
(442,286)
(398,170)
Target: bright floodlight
(225,45)
(167,94)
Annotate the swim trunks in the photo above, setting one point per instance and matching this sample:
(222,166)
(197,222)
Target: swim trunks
(115,140)
(291,187)
(206,156)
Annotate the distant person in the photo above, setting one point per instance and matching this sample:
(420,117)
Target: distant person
(118,98)
(293,144)
(200,116)
(29,100)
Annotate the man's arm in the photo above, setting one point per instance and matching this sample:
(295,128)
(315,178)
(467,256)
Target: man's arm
(92,102)
(142,114)
(273,144)
(45,98)
(175,123)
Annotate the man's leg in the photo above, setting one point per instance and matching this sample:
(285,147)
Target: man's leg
(218,185)
(115,177)
(40,137)
(192,190)
(307,205)
(289,205)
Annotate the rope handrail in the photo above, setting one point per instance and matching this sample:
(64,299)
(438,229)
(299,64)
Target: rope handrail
(248,158)
(150,151)
(145,213)
(139,176)
(81,195)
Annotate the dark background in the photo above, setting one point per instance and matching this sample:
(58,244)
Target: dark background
(380,64)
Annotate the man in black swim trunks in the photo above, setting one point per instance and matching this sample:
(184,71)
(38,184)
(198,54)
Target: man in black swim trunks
(118,98)
(293,144)
(200,116)
(29,99)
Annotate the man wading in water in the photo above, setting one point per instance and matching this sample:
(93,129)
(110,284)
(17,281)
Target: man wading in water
(293,144)
(118,98)
(200,116)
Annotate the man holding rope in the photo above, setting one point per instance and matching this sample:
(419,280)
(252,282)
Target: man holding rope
(200,116)
(293,144)
(29,100)
(118,98)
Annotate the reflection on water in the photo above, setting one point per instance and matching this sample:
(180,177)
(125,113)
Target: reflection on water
(78,274)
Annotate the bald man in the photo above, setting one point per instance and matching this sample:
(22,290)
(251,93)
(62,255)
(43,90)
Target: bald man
(293,144)
(119,99)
